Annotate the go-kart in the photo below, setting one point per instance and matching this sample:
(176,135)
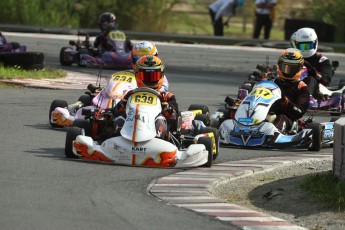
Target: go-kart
(252,124)
(118,56)
(137,144)
(13,54)
(63,115)
(332,98)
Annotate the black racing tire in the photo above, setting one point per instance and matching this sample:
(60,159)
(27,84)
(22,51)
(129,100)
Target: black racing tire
(215,139)
(341,102)
(83,124)
(24,60)
(80,52)
(71,135)
(207,141)
(85,99)
(317,136)
(201,107)
(63,62)
(53,106)
(204,118)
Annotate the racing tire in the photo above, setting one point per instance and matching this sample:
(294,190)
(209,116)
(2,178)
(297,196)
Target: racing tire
(24,60)
(80,52)
(62,59)
(207,141)
(341,103)
(215,139)
(53,106)
(71,135)
(317,136)
(83,124)
(85,99)
(204,118)
(201,107)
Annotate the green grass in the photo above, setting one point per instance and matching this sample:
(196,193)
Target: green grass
(18,73)
(326,188)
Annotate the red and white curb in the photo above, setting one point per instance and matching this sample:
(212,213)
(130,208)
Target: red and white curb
(191,190)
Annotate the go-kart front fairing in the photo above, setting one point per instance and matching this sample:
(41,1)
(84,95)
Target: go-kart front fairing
(137,145)
(251,128)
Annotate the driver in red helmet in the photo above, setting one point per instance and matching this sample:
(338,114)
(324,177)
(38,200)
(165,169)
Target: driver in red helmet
(107,23)
(149,73)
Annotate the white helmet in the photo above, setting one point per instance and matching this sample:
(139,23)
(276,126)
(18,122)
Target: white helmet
(305,39)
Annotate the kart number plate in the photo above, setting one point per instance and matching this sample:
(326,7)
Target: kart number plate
(144,99)
(123,76)
(262,92)
(117,36)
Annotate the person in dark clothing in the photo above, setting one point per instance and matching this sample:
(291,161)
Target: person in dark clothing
(319,67)
(217,10)
(264,17)
(107,23)
(149,73)
(295,94)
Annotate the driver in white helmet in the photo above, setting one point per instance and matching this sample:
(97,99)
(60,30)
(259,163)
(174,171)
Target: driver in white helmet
(319,66)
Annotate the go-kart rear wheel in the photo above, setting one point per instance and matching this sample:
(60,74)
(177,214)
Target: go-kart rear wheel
(53,106)
(85,99)
(215,139)
(204,109)
(64,62)
(207,141)
(71,135)
(83,124)
(317,136)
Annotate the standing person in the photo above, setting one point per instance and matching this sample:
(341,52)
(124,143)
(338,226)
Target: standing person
(319,66)
(264,13)
(217,10)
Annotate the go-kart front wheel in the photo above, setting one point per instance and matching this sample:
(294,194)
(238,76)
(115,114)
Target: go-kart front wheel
(55,104)
(317,136)
(83,124)
(71,135)
(207,141)
(64,62)
(215,139)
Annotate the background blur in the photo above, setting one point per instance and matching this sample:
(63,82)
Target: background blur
(178,16)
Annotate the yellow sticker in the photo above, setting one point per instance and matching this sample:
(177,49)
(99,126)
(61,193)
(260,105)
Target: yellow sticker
(144,99)
(123,76)
(262,92)
(198,111)
(117,35)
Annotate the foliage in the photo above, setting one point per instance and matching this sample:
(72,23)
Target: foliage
(325,187)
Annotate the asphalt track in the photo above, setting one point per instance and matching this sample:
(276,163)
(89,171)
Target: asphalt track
(43,190)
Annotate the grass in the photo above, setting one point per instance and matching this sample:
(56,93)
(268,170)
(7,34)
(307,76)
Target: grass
(326,188)
(8,73)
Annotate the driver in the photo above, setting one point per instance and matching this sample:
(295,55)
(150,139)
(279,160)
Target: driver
(107,23)
(149,73)
(295,94)
(319,67)
(147,48)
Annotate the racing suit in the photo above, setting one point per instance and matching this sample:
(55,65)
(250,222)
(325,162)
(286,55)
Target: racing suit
(293,104)
(319,71)
(101,42)
(164,121)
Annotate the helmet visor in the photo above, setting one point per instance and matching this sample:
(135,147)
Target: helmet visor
(289,70)
(149,78)
(304,46)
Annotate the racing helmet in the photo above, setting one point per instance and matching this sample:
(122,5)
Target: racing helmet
(305,39)
(106,21)
(149,72)
(290,65)
(143,48)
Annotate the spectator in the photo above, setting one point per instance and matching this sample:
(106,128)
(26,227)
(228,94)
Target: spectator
(217,10)
(264,13)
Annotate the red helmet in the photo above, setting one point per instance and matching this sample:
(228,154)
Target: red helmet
(106,21)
